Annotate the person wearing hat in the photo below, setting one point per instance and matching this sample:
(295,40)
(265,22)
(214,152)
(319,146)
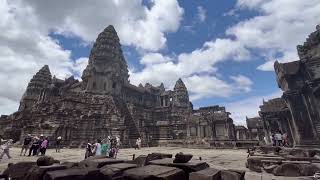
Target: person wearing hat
(58,143)
(26,144)
(5,149)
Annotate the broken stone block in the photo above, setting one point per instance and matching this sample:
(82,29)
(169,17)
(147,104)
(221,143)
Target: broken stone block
(115,171)
(67,174)
(290,170)
(155,156)
(182,158)
(191,166)
(230,175)
(155,172)
(98,163)
(46,161)
(38,172)
(70,164)
(19,170)
(206,174)
(139,161)
(255,163)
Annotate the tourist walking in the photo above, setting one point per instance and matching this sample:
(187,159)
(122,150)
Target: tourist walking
(273,139)
(44,146)
(285,140)
(26,144)
(117,146)
(40,140)
(138,144)
(113,148)
(5,149)
(58,143)
(88,150)
(278,138)
(104,147)
(97,148)
(34,146)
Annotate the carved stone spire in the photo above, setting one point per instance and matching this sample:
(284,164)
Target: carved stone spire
(37,85)
(181,96)
(107,69)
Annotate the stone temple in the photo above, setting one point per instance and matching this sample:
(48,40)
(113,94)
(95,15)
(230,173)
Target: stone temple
(297,112)
(105,103)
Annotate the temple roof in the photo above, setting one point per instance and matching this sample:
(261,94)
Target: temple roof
(273,105)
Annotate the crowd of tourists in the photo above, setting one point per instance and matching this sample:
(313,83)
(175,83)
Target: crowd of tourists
(279,139)
(38,145)
(108,147)
(34,144)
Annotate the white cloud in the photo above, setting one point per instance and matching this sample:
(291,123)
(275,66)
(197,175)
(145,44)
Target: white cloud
(201,13)
(248,107)
(210,86)
(195,68)
(136,24)
(279,28)
(154,58)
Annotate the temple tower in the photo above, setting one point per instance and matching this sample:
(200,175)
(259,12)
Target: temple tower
(107,71)
(180,96)
(36,88)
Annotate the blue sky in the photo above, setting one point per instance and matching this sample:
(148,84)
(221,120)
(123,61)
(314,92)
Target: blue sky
(223,50)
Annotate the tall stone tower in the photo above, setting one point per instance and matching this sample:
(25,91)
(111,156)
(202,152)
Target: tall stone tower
(107,69)
(36,87)
(180,96)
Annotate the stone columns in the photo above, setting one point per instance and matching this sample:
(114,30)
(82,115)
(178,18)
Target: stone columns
(301,125)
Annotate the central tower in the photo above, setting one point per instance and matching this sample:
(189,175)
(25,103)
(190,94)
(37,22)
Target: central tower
(107,69)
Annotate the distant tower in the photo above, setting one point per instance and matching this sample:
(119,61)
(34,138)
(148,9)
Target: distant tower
(107,69)
(180,96)
(38,84)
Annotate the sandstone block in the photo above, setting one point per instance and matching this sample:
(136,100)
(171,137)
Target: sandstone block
(115,171)
(154,172)
(206,174)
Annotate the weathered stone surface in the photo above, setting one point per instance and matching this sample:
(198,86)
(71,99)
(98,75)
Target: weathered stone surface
(19,170)
(182,158)
(255,163)
(115,171)
(191,166)
(37,173)
(73,173)
(46,161)
(98,163)
(206,174)
(155,172)
(230,175)
(291,170)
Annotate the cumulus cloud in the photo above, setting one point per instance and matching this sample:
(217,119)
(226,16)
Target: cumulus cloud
(196,68)
(136,24)
(279,28)
(248,107)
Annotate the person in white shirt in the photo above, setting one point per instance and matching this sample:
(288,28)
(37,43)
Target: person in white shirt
(97,147)
(5,149)
(278,137)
